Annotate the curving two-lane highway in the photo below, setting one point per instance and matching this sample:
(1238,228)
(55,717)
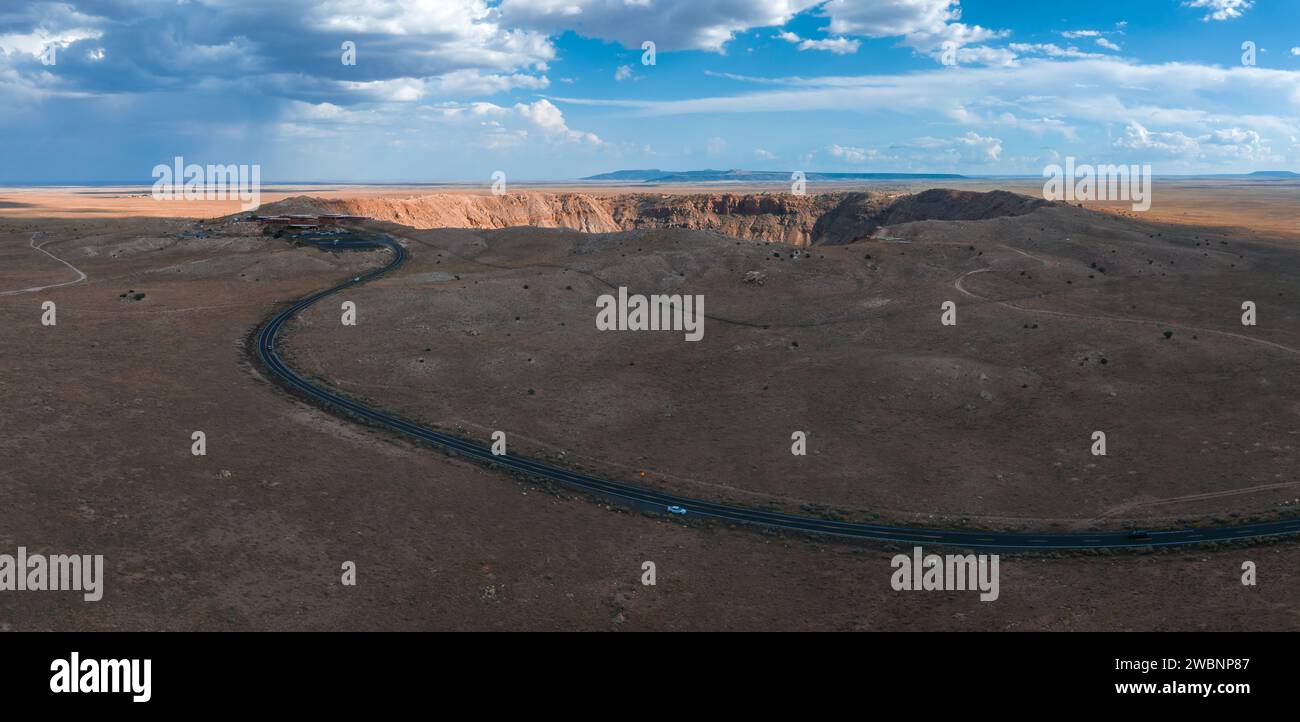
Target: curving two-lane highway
(642,498)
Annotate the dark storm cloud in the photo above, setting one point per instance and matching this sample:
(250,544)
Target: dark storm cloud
(280,49)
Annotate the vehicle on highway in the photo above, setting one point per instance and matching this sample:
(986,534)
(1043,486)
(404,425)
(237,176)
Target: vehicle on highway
(638,495)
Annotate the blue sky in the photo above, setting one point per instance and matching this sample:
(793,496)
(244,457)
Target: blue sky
(556,89)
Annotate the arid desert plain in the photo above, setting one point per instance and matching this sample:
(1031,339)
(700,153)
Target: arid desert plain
(823,316)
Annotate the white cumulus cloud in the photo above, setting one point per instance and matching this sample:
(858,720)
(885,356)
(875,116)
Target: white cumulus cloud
(1221,9)
(839,46)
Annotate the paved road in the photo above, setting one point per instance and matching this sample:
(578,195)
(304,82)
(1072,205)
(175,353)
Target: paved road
(642,498)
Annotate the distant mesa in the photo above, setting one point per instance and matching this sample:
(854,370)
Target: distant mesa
(630,175)
(654,175)
(1257,175)
(1273,174)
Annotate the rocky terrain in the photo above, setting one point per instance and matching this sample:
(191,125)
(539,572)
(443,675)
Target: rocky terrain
(820,219)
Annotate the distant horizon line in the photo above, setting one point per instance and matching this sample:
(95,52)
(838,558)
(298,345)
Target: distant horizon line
(902,176)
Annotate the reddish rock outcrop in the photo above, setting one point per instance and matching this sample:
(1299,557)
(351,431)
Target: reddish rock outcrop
(826,218)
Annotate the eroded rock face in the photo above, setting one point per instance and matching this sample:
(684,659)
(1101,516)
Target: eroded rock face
(773,217)
(854,218)
(826,218)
